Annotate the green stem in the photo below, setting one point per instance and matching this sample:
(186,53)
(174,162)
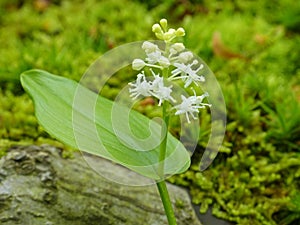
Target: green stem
(161,185)
(163,144)
(164,195)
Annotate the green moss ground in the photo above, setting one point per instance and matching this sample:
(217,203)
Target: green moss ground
(255,178)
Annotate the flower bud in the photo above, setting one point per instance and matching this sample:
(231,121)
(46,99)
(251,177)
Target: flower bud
(138,64)
(184,57)
(178,47)
(160,36)
(164,24)
(156,28)
(180,32)
(164,62)
(168,36)
(171,31)
(149,47)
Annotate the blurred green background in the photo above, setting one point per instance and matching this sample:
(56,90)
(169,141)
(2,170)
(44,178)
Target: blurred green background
(253,47)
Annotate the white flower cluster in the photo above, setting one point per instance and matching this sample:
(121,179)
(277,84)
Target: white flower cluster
(154,88)
(179,62)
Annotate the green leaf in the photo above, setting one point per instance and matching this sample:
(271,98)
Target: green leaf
(84,120)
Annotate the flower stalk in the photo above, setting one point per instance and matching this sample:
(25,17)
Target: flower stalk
(161,185)
(165,198)
(163,145)
(173,64)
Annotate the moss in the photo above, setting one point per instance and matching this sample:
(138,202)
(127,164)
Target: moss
(253,184)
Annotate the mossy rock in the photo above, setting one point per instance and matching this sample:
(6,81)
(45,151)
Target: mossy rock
(39,186)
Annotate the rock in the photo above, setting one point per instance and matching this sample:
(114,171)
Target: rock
(40,187)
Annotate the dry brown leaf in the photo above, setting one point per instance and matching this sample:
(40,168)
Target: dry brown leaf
(41,5)
(260,39)
(221,50)
(147,101)
(296,88)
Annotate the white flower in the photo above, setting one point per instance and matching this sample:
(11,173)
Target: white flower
(187,107)
(160,91)
(184,57)
(157,82)
(187,74)
(150,47)
(140,87)
(193,77)
(190,106)
(138,64)
(165,59)
(200,99)
(164,93)
(182,69)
